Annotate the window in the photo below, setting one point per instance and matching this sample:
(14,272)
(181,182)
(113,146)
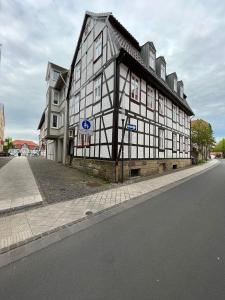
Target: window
(186,145)
(174,142)
(175,85)
(181,143)
(163,72)
(181,117)
(135,87)
(152,60)
(55,75)
(181,91)
(83,140)
(161,105)
(97,88)
(77,71)
(55,121)
(55,97)
(150,97)
(161,139)
(174,113)
(77,104)
(98,47)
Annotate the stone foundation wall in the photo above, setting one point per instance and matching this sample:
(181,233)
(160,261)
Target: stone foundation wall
(102,168)
(109,171)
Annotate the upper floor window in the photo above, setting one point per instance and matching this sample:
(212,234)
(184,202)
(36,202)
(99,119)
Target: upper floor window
(54,121)
(174,142)
(150,97)
(161,105)
(55,75)
(55,97)
(175,85)
(186,144)
(97,88)
(135,87)
(181,117)
(83,140)
(98,47)
(181,143)
(174,113)
(163,72)
(161,139)
(152,59)
(77,71)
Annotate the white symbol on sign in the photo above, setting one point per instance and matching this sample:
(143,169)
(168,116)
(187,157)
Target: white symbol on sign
(86,124)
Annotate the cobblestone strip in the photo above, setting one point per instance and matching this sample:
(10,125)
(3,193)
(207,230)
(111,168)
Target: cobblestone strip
(24,226)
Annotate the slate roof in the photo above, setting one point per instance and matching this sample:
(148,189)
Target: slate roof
(133,49)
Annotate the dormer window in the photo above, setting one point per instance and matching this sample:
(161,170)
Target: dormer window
(163,72)
(181,91)
(175,85)
(55,75)
(152,59)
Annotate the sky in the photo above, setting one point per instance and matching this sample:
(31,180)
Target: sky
(189,34)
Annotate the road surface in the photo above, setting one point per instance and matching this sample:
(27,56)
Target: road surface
(170,247)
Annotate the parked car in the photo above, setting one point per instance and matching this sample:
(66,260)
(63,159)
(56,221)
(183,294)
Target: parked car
(4,153)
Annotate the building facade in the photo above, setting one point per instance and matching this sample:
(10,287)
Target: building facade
(115,82)
(2,126)
(24,147)
(52,126)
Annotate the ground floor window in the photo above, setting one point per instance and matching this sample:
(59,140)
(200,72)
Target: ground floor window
(161,139)
(83,140)
(174,142)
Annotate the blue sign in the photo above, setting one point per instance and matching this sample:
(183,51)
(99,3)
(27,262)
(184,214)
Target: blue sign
(86,125)
(131,127)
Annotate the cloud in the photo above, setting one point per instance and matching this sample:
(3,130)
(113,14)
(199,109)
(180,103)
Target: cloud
(190,34)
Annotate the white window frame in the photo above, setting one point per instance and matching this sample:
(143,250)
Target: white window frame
(163,71)
(55,98)
(174,113)
(98,46)
(150,97)
(135,88)
(181,143)
(54,75)
(174,142)
(98,88)
(161,105)
(78,71)
(57,121)
(152,58)
(161,139)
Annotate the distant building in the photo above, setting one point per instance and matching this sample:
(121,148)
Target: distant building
(2,126)
(52,126)
(25,147)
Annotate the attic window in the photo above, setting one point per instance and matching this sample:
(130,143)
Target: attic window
(55,75)
(152,59)
(163,72)
(175,85)
(98,46)
(181,91)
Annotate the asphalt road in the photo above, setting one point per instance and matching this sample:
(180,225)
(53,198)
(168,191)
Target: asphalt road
(170,247)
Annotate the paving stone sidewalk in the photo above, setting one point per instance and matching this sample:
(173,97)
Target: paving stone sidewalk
(26,226)
(17,185)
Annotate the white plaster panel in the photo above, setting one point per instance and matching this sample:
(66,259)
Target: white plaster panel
(104,152)
(106,103)
(134,107)
(123,70)
(108,119)
(140,152)
(96,108)
(109,71)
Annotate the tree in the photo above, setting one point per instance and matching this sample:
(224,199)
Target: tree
(8,144)
(220,147)
(202,136)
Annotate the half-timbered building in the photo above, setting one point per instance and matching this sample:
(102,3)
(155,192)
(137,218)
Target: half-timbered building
(115,82)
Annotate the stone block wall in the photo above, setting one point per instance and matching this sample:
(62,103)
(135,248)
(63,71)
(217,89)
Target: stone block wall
(109,171)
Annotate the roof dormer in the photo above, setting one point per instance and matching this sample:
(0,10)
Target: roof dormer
(172,81)
(180,89)
(161,67)
(148,53)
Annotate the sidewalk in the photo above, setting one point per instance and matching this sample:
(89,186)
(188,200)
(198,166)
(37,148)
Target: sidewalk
(18,188)
(25,226)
